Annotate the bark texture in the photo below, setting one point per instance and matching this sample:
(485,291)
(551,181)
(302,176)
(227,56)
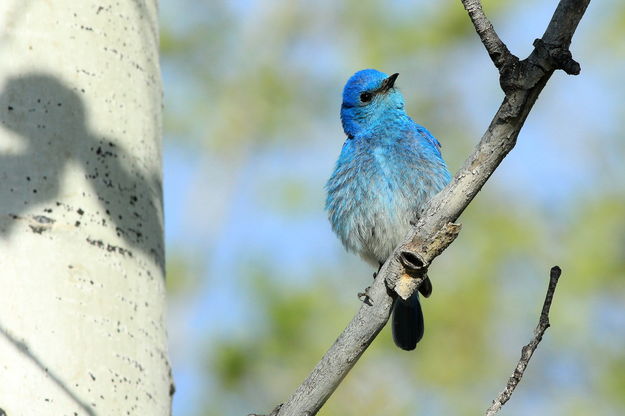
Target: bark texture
(82,290)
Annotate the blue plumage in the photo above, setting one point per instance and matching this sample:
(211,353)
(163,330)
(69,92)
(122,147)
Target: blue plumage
(388,168)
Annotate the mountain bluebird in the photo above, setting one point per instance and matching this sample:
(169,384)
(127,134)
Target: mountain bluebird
(388,168)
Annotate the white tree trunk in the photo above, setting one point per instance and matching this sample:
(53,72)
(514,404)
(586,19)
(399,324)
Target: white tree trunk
(82,329)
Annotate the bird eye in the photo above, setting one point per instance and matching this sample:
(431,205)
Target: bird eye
(365,97)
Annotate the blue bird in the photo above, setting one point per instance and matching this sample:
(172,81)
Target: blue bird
(388,169)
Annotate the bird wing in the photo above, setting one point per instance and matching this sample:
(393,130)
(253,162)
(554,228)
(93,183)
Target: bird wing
(423,132)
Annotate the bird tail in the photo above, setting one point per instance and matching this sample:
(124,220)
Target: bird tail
(407,322)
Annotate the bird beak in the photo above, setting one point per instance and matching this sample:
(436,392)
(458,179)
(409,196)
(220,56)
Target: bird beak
(389,82)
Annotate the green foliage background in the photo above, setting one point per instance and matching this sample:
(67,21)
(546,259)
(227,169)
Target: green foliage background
(260,288)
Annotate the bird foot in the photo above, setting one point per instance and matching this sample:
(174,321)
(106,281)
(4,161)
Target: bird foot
(274,412)
(364,296)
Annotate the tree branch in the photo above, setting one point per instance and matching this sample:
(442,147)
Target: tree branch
(528,350)
(522,82)
(496,49)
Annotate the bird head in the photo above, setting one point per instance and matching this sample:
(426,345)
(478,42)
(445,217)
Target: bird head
(369,99)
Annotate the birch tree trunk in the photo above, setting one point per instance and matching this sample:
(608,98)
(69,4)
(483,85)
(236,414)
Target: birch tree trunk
(82,328)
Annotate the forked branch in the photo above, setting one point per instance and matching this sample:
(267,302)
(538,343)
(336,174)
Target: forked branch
(522,82)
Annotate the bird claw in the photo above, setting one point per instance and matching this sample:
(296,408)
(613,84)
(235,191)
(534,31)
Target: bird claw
(274,412)
(364,296)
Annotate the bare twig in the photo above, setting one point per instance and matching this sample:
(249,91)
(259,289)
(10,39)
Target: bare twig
(496,49)
(522,82)
(528,350)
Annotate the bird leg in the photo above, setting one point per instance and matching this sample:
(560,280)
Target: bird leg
(364,295)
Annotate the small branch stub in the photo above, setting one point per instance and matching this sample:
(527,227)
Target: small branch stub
(561,58)
(415,257)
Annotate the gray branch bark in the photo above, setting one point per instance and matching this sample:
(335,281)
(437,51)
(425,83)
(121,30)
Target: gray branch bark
(497,50)
(522,81)
(528,350)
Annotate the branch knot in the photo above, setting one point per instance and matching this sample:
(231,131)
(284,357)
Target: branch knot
(415,257)
(557,57)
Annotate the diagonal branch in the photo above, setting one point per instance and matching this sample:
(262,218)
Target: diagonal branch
(528,350)
(522,82)
(497,50)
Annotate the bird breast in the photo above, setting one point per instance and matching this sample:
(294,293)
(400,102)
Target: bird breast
(374,194)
